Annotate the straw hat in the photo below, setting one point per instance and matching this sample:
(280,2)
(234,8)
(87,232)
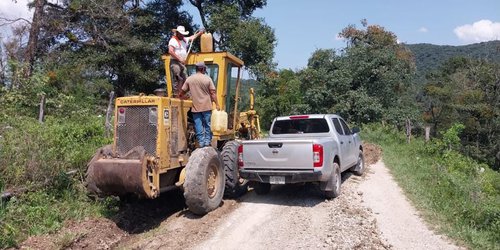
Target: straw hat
(182,30)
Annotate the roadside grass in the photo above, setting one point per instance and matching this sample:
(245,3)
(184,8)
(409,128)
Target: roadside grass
(45,211)
(36,158)
(455,195)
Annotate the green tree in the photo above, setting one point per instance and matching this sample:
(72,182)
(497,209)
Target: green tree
(279,94)
(377,62)
(119,42)
(237,31)
(466,91)
(358,107)
(367,81)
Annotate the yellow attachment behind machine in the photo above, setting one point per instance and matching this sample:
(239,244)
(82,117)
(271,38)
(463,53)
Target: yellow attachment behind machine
(249,124)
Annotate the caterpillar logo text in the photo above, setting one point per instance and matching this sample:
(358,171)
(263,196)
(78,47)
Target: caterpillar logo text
(137,101)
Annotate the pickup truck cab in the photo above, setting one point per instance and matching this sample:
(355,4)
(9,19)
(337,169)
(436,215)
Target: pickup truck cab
(302,148)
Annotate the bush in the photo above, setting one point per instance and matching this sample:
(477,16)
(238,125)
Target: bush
(37,156)
(34,153)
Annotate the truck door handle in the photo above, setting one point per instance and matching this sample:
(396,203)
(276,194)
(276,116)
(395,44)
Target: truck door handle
(349,141)
(275,144)
(341,142)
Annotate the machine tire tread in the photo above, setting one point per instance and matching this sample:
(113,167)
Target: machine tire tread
(234,188)
(195,184)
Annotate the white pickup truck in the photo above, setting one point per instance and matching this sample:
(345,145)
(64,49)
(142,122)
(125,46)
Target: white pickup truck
(302,148)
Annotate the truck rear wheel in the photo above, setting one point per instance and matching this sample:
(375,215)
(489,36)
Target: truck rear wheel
(204,183)
(359,168)
(90,184)
(336,180)
(235,186)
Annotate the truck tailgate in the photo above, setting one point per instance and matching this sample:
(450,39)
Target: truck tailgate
(278,154)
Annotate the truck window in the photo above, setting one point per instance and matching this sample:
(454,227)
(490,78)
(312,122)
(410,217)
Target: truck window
(337,126)
(345,127)
(300,126)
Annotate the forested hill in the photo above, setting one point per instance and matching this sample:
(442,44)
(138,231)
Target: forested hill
(429,56)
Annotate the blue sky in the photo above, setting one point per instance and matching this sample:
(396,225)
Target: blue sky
(302,26)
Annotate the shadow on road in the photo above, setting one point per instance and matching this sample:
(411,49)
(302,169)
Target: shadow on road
(138,216)
(304,195)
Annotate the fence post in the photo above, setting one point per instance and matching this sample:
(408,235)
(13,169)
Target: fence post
(108,113)
(427,133)
(408,130)
(41,112)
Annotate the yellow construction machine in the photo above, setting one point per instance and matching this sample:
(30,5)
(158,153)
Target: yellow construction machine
(154,148)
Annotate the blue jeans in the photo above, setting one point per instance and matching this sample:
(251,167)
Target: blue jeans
(202,127)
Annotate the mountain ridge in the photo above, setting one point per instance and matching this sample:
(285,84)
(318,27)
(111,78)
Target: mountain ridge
(429,57)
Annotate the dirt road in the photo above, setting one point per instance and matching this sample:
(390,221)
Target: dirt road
(371,213)
(396,218)
(295,217)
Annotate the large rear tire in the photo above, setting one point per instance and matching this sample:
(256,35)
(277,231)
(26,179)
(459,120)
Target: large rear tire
(336,180)
(204,183)
(359,168)
(235,186)
(90,185)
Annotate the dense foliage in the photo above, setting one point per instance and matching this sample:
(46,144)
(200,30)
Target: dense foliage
(466,91)
(367,81)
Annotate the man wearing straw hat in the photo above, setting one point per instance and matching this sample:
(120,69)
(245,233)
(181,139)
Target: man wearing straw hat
(178,50)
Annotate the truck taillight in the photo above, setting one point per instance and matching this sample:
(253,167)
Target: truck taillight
(240,156)
(317,155)
(297,117)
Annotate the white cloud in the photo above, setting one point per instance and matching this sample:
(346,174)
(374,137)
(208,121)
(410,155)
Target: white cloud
(480,31)
(423,29)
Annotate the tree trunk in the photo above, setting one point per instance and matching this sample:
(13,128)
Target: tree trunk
(29,57)
(2,67)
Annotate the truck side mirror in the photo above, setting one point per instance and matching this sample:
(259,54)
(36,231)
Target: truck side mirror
(355,130)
